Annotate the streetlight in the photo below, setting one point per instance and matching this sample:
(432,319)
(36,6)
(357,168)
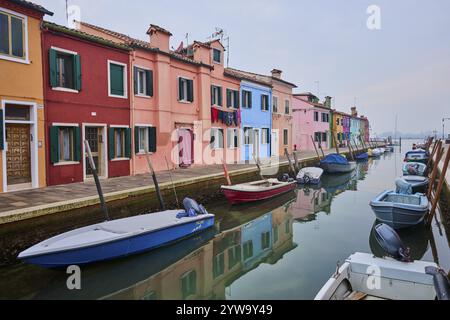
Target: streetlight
(443,127)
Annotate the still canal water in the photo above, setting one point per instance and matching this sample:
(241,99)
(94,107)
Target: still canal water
(283,249)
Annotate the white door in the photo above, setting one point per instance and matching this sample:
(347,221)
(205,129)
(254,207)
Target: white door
(275,144)
(256,143)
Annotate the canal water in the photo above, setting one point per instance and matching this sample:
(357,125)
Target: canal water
(285,249)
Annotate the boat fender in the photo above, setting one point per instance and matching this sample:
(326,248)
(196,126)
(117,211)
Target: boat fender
(441,282)
(391,243)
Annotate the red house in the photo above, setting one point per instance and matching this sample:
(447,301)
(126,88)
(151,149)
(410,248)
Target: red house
(86,92)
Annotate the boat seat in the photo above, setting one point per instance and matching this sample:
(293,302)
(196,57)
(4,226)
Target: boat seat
(404,199)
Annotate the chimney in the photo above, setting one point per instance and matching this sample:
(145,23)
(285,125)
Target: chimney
(328,102)
(354,112)
(159,38)
(276,73)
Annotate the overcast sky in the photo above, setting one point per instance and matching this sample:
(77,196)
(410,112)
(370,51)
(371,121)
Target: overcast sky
(403,69)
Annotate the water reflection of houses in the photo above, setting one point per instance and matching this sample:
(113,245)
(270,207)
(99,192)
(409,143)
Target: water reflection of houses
(208,271)
(310,202)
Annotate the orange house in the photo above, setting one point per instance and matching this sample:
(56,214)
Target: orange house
(22,143)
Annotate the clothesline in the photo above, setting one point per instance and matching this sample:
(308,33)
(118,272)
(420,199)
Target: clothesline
(228,118)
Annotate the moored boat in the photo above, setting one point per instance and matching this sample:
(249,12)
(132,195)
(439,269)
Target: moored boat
(362,157)
(421,156)
(309,175)
(414,169)
(336,163)
(395,276)
(119,238)
(257,191)
(374,153)
(419,184)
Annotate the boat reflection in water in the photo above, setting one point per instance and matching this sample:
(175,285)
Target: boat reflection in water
(198,268)
(416,238)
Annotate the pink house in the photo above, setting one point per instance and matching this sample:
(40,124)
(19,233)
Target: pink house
(311,121)
(176,97)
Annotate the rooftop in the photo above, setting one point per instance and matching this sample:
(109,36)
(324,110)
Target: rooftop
(33,6)
(254,77)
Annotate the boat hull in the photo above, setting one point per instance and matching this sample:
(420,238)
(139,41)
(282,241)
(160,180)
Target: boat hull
(399,215)
(121,248)
(338,168)
(240,196)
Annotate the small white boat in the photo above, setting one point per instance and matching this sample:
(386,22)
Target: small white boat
(396,277)
(309,175)
(374,153)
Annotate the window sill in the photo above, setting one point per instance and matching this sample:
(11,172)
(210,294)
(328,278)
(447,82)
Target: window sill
(65,90)
(143,153)
(143,96)
(185,102)
(66,163)
(120,159)
(234,148)
(12,59)
(118,97)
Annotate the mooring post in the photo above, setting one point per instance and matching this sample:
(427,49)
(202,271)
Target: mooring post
(291,166)
(352,156)
(432,156)
(439,188)
(226,173)
(155,181)
(315,147)
(335,143)
(97,180)
(296,163)
(439,154)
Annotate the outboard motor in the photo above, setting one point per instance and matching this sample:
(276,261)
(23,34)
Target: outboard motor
(391,243)
(192,208)
(403,187)
(285,178)
(441,282)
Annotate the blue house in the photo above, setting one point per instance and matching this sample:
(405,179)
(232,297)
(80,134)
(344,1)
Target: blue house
(256,120)
(256,114)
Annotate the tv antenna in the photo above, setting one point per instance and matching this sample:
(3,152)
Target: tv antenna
(221,35)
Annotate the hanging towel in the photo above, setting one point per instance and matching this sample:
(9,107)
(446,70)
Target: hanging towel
(214,115)
(230,118)
(221,116)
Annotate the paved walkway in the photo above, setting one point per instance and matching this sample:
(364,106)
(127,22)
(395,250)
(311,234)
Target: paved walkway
(16,206)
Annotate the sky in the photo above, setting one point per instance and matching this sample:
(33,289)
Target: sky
(324,46)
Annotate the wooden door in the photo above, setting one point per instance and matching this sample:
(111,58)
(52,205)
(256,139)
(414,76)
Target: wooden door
(18,155)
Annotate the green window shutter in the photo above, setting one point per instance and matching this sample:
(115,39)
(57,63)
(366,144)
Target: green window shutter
(135,81)
(54,145)
(152,142)
(180,90)
(136,140)
(237,102)
(53,68)
(2,142)
(77,69)
(190,90)
(250,98)
(262,102)
(220,96)
(77,144)
(149,76)
(111,145)
(128,143)
(212,95)
(117,79)
(229,98)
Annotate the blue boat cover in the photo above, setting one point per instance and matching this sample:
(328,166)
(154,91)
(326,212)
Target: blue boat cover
(403,187)
(334,159)
(192,209)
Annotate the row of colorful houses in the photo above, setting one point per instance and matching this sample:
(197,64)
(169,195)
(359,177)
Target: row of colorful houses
(131,99)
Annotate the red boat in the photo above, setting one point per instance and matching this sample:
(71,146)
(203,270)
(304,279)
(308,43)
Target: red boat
(256,191)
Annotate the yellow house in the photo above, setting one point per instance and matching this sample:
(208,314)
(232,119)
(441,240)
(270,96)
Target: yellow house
(22,135)
(338,128)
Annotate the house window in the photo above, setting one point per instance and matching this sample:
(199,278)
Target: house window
(234,256)
(185,90)
(265,240)
(264,102)
(119,145)
(143,82)
(65,69)
(275,104)
(248,250)
(324,137)
(12,36)
(145,139)
(233,138)
(275,234)
(117,80)
(246,99)
(318,137)
(189,284)
(265,136)
(316,116)
(248,135)
(287,107)
(217,56)
(218,265)
(232,99)
(216,138)
(65,144)
(286,137)
(216,96)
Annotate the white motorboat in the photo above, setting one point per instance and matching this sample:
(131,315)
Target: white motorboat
(309,175)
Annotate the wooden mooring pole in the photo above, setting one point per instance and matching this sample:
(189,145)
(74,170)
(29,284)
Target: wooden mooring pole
(439,188)
(315,148)
(335,143)
(439,153)
(155,182)
(352,156)
(296,163)
(291,165)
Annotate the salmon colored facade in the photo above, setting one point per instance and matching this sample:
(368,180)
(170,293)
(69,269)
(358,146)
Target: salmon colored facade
(183,123)
(22,141)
